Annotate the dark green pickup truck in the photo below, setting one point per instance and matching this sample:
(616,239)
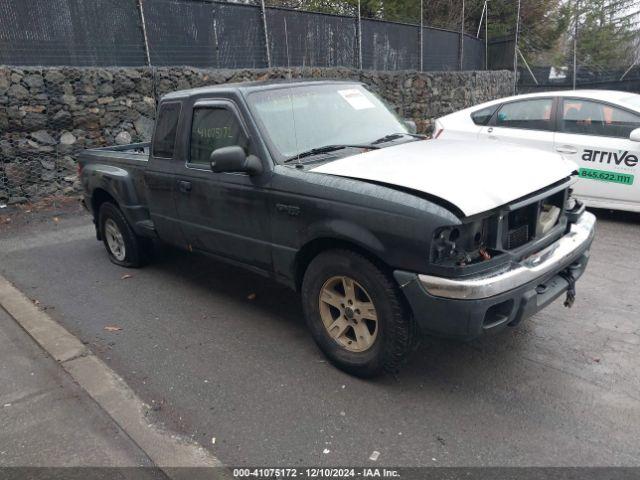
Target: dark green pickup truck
(320,186)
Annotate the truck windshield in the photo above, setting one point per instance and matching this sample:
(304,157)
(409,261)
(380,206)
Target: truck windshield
(299,119)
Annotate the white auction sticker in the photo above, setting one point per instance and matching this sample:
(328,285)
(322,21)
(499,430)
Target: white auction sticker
(356,99)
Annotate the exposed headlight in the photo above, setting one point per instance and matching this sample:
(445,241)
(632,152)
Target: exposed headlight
(461,244)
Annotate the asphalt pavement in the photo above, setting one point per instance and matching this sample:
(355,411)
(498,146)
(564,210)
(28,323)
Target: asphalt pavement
(224,357)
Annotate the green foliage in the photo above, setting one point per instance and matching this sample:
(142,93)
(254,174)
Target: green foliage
(607,32)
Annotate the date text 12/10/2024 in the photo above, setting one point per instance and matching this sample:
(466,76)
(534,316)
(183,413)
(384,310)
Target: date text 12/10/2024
(315,472)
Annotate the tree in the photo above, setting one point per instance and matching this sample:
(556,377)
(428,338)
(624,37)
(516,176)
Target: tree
(607,33)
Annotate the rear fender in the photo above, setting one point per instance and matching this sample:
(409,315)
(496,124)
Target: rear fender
(119,184)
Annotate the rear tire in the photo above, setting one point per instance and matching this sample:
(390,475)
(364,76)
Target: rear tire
(123,246)
(355,314)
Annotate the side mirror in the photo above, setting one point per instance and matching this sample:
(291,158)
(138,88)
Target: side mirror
(635,135)
(234,159)
(411,125)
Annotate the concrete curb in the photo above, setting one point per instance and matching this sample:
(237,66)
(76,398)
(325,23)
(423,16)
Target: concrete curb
(169,452)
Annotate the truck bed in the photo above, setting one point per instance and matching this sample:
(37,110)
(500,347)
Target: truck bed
(131,154)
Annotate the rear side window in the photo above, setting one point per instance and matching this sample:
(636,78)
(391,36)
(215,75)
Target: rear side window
(213,128)
(529,114)
(482,117)
(593,118)
(164,138)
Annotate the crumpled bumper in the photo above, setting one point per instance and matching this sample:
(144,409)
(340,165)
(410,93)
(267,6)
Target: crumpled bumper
(468,307)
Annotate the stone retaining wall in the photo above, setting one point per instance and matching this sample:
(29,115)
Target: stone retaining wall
(47,115)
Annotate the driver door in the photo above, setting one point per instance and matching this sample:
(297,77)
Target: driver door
(222,213)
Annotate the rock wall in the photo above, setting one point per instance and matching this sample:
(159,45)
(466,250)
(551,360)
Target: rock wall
(47,115)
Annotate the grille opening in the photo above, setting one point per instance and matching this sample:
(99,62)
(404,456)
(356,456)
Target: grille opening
(517,237)
(521,226)
(497,314)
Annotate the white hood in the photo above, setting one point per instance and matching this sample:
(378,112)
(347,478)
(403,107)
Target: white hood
(475,176)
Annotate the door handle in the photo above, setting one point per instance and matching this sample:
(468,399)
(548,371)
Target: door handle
(184,186)
(489,134)
(566,149)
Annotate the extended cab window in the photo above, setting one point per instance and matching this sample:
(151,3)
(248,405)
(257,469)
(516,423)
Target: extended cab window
(164,138)
(593,118)
(482,117)
(529,114)
(212,128)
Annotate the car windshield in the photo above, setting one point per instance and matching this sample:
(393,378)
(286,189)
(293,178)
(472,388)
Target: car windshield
(298,119)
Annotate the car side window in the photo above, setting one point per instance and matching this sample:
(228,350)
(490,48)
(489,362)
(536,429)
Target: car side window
(585,117)
(213,128)
(530,114)
(164,138)
(482,117)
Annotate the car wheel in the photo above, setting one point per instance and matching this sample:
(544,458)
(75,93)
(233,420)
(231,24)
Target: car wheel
(355,313)
(124,247)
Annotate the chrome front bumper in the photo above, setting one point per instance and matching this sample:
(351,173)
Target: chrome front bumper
(553,258)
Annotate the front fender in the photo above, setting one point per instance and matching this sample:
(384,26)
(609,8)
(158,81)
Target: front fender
(340,229)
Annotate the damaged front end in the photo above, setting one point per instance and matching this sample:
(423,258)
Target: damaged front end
(493,271)
(504,235)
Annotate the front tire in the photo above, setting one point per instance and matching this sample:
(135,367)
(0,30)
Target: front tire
(355,314)
(123,246)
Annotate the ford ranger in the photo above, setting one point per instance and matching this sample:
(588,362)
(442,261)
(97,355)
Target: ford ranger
(320,186)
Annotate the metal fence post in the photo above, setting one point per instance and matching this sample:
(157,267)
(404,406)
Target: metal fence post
(483,17)
(266,33)
(626,72)
(486,35)
(575,43)
(462,38)
(143,23)
(515,52)
(144,32)
(359,37)
(286,42)
(421,35)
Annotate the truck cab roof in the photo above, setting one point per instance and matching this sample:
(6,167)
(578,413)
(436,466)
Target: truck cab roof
(244,88)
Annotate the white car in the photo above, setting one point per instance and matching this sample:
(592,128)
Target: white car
(597,129)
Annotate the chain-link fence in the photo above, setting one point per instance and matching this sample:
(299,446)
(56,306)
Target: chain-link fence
(213,34)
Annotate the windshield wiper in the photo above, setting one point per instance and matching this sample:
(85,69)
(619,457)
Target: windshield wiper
(395,136)
(327,149)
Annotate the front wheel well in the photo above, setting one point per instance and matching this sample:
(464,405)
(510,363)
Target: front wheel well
(315,247)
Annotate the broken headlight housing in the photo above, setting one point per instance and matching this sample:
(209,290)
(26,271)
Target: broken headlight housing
(461,245)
